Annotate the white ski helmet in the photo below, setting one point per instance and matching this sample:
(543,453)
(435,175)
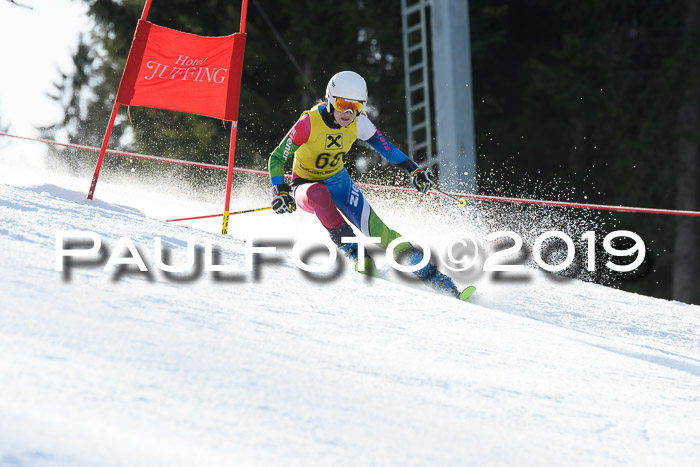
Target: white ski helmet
(346,85)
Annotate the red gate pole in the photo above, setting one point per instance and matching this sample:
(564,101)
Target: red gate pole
(146,7)
(110,126)
(103,149)
(244,12)
(229,176)
(232,145)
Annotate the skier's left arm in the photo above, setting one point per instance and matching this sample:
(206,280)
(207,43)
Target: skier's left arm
(422,179)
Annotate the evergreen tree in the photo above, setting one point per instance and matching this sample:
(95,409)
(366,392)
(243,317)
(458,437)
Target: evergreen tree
(591,93)
(686,268)
(349,35)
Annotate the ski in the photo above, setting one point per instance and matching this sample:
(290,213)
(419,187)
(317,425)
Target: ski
(466,293)
(371,270)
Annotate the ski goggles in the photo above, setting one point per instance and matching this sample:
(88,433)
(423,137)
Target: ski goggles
(346,105)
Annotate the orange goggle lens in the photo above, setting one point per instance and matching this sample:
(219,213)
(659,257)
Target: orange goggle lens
(344,105)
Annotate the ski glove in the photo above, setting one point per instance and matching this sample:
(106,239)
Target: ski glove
(422,180)
(282,200)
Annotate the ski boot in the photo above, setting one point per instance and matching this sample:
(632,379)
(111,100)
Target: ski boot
(367,267)
(349,250)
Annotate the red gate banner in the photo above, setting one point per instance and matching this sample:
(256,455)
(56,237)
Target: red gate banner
(173,70)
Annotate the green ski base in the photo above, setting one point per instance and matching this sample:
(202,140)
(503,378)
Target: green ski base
(466,293)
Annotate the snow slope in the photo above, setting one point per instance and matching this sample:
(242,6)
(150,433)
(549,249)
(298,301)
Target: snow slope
(277,369)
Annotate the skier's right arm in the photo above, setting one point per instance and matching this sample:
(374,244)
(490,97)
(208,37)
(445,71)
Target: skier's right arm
(421,179)
(283,201)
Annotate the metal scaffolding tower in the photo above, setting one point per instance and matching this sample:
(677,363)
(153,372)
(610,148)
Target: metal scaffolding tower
(455,153)
(415,54)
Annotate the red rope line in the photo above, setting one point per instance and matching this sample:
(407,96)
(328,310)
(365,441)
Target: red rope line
(500,199)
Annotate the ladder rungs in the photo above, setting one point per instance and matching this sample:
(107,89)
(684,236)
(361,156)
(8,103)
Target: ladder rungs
(416,87)
(414,28)
(419,64)
(415,7)
(415,47)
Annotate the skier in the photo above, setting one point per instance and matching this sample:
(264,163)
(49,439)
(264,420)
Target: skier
(321,185)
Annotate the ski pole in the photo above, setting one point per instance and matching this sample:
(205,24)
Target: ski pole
(461,202)
(218,215)
(251,210)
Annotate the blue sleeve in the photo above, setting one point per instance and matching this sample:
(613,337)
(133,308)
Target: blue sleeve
(277,180)
(389,152)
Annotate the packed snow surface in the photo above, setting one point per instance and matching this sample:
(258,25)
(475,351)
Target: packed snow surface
(119,367)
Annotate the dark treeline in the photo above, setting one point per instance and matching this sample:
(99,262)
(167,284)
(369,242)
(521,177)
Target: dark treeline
(594,102)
